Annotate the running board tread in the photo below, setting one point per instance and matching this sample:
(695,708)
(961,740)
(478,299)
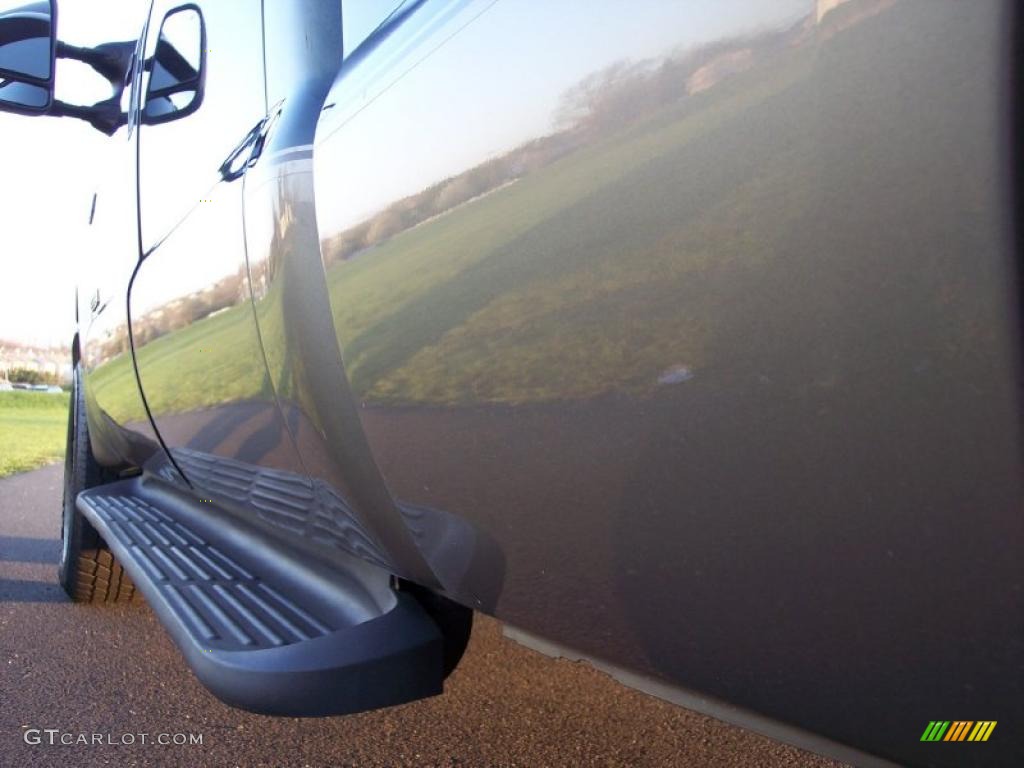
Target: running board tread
(265,629)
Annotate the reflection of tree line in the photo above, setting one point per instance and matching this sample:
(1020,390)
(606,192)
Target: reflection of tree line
(601,104)
(446,195)
(186,310)
(646,252)
(177,313)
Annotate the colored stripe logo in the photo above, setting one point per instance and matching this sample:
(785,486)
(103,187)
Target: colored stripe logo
(958,730)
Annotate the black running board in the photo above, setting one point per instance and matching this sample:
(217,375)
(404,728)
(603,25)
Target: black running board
(267,630)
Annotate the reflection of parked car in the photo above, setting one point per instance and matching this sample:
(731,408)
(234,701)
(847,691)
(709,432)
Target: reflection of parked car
(680,335)
(20,385)
(5,385)
(53,389)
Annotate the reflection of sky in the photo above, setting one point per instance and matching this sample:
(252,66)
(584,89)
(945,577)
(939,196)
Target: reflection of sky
(50,179)
(179,159)
(30,57)
(50,168)
(50,176)
(556,44)
(361,17)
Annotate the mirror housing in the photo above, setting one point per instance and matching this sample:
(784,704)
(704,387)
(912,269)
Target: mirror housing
(28,49)
(177,68)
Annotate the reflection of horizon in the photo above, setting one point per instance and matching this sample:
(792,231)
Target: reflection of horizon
(502,301)
(599,270)
(599,105)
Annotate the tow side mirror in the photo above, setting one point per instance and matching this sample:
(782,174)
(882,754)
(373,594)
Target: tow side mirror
(28,43)
(177,67)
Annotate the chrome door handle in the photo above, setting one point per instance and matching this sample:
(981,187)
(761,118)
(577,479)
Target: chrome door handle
(249,149)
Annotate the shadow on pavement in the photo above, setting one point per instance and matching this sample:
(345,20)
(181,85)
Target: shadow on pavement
(24,549)
(27,591)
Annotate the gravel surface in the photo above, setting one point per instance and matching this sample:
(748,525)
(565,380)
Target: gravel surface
(113,671)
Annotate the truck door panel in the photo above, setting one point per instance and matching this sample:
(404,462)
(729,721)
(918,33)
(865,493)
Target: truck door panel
(200,361)
(120,431)
(701,312)
(353,510)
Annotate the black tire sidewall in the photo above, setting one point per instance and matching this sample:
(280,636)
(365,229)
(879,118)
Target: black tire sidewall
(80,472)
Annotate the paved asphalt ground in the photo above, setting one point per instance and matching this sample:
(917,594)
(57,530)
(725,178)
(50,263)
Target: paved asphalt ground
(112,670)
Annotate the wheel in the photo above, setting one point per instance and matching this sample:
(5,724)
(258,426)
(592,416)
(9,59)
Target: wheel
(88,571)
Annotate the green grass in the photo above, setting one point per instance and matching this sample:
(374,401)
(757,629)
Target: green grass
(449,311)
(739,229)
(206,363)
(733,230)
(33,428)
(531,293)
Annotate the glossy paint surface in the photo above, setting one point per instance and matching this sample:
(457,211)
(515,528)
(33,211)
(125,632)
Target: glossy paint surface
(208,392)
(704,314)
(351,507)
(120,432)
(683,335)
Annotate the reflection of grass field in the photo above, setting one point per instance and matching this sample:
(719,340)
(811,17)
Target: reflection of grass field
(741,222)
(741,229)
(567,284)
(525,294)
(222,371)
(33,427)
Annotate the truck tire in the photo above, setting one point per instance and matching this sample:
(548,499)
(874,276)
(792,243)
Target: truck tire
(88,571)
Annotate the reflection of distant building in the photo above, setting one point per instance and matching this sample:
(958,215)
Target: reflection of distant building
(854,14)
(54,361)
(824,6)
(719,68)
